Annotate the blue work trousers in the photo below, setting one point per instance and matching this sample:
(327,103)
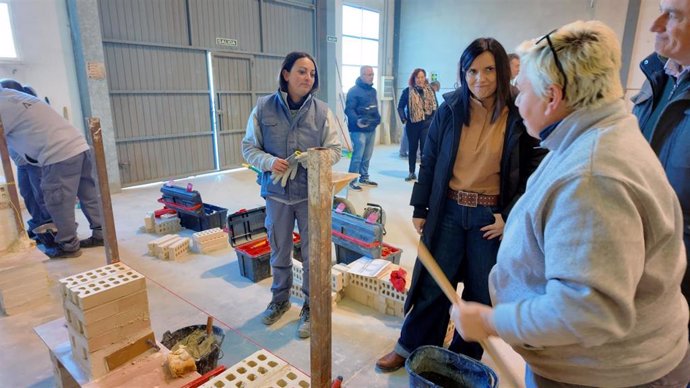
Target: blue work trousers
(362,149)
(280,222)
(465,256)
(29,182)
(62,184)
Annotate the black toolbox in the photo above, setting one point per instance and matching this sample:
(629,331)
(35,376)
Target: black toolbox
(247,234)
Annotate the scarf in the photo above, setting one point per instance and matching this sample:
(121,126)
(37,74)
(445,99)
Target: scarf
(421,105)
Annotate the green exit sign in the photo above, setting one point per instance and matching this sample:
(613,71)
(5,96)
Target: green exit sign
(226,42)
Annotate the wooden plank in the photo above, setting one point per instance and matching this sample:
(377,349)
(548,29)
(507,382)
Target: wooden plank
(320,202)
(112,253)
(11,184)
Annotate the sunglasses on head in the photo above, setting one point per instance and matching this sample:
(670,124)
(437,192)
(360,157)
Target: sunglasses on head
(555,57)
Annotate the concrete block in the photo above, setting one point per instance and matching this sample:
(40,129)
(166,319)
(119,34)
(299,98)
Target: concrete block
(178,249)
(105,290)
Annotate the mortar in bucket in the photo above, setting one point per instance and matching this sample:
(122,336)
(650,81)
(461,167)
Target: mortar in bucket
(435,367)
(207,361)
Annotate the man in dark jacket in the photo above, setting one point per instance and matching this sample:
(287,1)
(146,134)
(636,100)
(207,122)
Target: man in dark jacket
(663,105)
(363,117)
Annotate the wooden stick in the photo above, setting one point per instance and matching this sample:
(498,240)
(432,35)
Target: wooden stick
(320,219)
(112,252)
(209,325)
(11,184)
(428,260)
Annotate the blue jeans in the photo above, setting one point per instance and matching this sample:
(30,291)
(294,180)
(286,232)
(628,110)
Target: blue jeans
(362,149)
(29,182)
(465,256)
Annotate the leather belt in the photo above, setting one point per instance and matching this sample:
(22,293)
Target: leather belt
(469,199)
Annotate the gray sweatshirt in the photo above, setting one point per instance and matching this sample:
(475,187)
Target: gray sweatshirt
(36,132)
(587,283)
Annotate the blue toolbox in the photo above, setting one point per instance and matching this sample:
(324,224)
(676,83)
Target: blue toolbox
(388,252)
(358,235)
(247,234)
(184,200)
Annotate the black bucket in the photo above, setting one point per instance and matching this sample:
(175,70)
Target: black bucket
(205,363)
(436,367)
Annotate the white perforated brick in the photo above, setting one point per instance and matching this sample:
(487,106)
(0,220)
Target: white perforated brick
(178,249)
(289,377)
(250,372)
(167,225)
(106,289)
(90,276)
(150,222)
(209,235)
(154,244)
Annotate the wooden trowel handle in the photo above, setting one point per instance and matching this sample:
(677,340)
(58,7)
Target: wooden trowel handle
(209,325)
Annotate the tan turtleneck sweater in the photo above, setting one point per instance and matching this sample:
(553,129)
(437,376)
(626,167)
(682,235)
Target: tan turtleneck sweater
(478,162)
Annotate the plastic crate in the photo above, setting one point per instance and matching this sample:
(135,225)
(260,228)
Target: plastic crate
(182,199)
(254,259)
(344,255)
(212,217)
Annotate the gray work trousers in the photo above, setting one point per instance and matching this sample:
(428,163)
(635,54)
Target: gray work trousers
(280,222)
(62,183)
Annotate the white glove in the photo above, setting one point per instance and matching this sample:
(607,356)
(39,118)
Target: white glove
(283,177)
(303,159)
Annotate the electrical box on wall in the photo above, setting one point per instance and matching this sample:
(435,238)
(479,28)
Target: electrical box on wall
(387,92)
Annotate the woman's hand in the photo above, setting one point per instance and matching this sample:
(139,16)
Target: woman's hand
(279,165)
(473,321)
(418,224)
(494,230)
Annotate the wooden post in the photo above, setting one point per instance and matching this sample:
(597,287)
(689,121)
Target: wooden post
(112,253)
(320,202)
(11,184)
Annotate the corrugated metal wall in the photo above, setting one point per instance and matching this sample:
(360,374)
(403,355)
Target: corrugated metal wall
(156,55)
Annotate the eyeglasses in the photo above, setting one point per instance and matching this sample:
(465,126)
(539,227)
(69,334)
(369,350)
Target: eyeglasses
(555,57)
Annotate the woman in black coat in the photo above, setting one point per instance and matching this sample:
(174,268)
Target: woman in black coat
(416,108)
(475,166)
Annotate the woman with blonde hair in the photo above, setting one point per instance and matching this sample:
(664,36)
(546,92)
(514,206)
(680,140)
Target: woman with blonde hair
(587,282)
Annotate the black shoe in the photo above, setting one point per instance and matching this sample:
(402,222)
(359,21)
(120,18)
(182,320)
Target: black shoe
(355,187)
(304,326)
(91,242)
(274,311)
(59,253)
(411,177)
(367,182)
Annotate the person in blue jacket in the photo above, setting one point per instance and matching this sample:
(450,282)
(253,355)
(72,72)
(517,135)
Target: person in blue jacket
(289,120)
(663,103)
(361,108)
(29,180)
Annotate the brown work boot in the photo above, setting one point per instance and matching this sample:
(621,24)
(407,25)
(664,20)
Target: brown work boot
(390,362)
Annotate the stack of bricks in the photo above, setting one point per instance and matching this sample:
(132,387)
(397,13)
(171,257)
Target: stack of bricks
(107,314)
(260,370)
(169,247)
(210,240)
(24,283)
(378,292)
(338,279)
(167,223)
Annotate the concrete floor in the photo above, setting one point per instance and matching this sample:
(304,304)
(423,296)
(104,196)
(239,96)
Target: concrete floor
(183,293)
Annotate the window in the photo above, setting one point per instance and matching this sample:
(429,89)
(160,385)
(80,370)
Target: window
(360,44)
(7,49)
